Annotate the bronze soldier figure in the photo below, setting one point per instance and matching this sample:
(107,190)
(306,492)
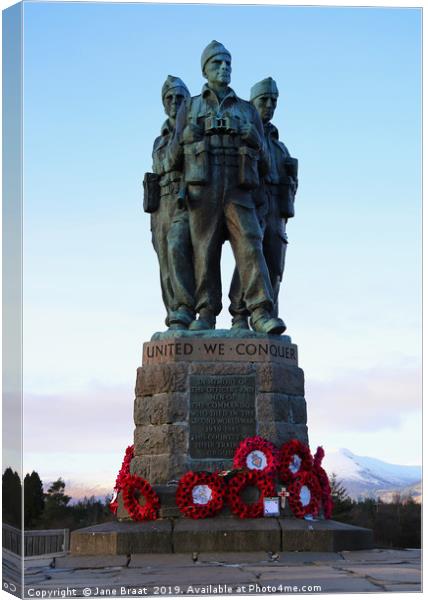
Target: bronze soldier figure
(221,137)
(276,206)
(170,222)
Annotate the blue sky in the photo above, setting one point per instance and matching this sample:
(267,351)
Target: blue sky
(349,109)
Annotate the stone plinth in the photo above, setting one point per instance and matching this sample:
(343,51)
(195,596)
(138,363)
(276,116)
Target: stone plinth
(219,535)
(197,397)
(123,538)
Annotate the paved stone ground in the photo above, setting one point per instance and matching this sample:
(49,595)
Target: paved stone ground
(228,573)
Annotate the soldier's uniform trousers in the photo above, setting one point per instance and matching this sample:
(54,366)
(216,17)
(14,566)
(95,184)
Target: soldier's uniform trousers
(274,241)
(171,241)
(222,210)
(274,250)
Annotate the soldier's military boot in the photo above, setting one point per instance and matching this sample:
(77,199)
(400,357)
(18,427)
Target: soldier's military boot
(240,322)
(180,319)
(262,322)
(206,320)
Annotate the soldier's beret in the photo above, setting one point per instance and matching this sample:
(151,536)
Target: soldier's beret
(172,82)
(211,50)
(265,86)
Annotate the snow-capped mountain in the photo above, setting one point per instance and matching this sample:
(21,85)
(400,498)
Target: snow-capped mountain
(363,476)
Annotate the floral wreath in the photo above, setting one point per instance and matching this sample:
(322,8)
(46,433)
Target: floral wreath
(121,476)
(132,484)
(305,495)
(295,458)
(242,480)
(200,495)
(256,453)
(114,504)
(326,497)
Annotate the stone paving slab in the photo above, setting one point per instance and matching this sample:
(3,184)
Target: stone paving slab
(403,588)
(388,573)
(309,558)
(382,555)
(325,577)
(197,576)
(232,558)
(98,562)
(238,573)
(161,560)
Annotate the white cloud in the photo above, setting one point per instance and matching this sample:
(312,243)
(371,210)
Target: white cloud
(369,400)
(98,419)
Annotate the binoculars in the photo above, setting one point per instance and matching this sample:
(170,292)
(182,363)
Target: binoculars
(220,125)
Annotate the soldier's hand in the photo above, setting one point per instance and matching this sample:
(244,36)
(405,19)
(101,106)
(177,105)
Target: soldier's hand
(192,133)
(250,135)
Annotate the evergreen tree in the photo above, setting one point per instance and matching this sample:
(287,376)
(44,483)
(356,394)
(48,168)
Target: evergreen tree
(11,492)
(90,511)
(342,502)
(56,501)
(34,499)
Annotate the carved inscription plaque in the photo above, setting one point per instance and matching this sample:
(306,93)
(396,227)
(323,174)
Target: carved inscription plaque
(222,414)
(186,349)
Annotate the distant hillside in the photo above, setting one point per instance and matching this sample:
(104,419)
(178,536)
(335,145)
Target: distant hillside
(365,477)
(78,491)
(413,491)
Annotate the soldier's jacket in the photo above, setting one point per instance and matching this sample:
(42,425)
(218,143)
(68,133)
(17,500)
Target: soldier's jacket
(278,180)
(208,136)
(164,164)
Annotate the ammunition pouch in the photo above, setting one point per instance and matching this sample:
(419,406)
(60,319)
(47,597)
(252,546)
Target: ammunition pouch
(291,166)
(287,188)
(248,168)
(286,193)
(151,192)
(196,163)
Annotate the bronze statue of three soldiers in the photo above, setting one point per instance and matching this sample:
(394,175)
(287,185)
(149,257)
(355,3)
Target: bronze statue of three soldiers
(220,173)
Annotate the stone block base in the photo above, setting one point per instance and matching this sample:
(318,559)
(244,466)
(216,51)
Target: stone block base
(198,398)
(123,538)
(219,535)
(299,535)
(227,535)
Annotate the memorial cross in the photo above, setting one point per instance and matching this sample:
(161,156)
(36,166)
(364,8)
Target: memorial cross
(283,494)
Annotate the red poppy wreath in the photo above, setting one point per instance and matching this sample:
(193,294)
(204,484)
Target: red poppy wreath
(326,498)
(256,453)
(295,458)
(200,495)
(305,495)
(133,488)
(238,483)
(114,504)
(121,476)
